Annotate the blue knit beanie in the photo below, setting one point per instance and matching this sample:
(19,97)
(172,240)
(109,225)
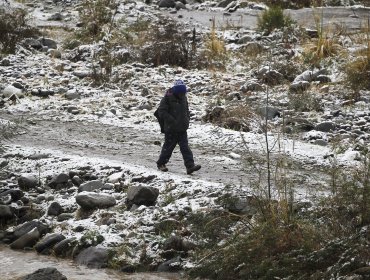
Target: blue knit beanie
(179,87)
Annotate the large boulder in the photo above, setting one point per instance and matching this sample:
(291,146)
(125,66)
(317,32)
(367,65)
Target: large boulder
(269,76)
(224,3)
(12,90)
(65,247)
(90,186)
(93,257)
(309,76)
(89,200)
(172,265)
(27,181)
(48,273)
(6,213)
(167,4)
(325,126)
(269,112)
(115,177)
(14,194)
(23,229)
(59,181)
(299,86)
(27,240)
(48,241)
(141,195)
(50,43)
(177,243)
(55,209)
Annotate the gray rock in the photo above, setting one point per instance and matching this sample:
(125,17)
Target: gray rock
(27,240)
(64,217)
(166,4)
(253,47)
(309,76)
(90,186)
(245,39)
(242,205)
(5,62)
(269,76)
(23,229)
(11,90)
(178,244)
(27,181)
(224,3)
(251,86)
(48,241)
(89,200)
(71,94)
(115,177)
(76,180)
(108,186)
(299,86)
(179,5)
(50,43)
(65,247)
(323,79)
(5,213)
(172,265)
(81,73)
(49,273)
(55,209)
(56,17)
(59,181)
(14,194)
(42,92)
(93,257)
(325,126)
(271,112)
(32,43)
(321,142)
(141,195)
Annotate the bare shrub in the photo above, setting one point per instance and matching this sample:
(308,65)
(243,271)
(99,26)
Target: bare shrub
(13,29)
(296,241)
(97,19)
(236,117)
(305,101)
(358,73)
(358,70)
(166,44)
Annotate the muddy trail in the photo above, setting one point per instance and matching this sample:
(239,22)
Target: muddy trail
(138,147)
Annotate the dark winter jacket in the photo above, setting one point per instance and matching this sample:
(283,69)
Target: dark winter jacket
(174,110)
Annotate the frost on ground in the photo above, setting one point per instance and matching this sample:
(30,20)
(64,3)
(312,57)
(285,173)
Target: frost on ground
(82,163)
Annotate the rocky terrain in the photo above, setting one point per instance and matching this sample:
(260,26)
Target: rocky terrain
(78,174)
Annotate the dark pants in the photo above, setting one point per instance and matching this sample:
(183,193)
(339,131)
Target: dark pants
(170,142)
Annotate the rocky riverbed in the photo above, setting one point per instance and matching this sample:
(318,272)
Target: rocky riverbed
(78,178)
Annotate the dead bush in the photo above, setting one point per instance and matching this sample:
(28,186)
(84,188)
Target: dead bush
(235,118)
(97,19)
(13,29)
(358,73)
(166,44)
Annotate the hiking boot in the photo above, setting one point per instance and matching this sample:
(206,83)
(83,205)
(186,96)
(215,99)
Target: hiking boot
(193,168)
(162,168)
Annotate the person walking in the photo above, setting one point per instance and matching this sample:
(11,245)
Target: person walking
(174,111)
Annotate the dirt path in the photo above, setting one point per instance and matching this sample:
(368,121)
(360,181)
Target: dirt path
(141,148)
(128,145)
(348,18)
